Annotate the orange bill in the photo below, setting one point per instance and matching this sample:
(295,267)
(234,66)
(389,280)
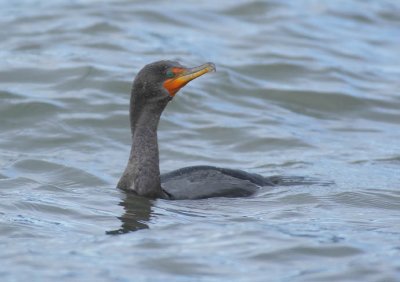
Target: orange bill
(184,75)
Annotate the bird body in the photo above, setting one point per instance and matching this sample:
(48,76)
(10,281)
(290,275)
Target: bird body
(199,182)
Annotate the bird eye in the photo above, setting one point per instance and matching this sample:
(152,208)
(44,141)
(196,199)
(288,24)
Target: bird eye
(170,74)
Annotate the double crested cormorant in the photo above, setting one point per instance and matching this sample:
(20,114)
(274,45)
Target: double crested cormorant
(154,86)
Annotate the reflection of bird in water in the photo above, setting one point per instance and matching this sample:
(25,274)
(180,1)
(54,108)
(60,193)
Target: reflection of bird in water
(154,86)
(137,213)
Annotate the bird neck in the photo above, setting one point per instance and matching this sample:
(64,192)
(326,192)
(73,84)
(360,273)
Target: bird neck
(142,173)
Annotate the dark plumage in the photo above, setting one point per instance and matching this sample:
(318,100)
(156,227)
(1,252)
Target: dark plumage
(154,86)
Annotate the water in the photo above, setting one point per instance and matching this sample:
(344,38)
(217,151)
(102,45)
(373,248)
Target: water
(307,88)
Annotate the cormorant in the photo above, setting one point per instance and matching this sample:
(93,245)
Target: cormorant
(153,88)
